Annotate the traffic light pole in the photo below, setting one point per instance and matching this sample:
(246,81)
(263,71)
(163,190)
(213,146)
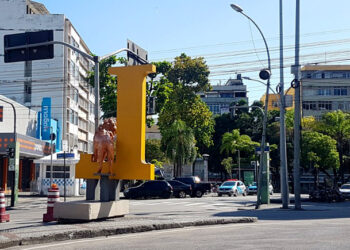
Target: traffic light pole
(91,184)
(13,191)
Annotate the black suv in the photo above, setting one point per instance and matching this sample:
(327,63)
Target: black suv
(150,189)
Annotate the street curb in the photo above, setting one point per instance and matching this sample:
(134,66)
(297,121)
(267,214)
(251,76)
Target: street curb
(88,233)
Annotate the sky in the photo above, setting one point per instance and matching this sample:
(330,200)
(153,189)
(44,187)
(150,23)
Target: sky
(229,43)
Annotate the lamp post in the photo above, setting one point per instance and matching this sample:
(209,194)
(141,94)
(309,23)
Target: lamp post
(265,75)
(283,146)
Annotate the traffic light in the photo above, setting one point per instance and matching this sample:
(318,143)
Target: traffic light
(11,152)
(265,74)
(30,53)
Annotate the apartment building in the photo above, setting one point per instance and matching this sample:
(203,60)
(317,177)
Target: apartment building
(274,100)
(63,78)
(221,96)
(325,88)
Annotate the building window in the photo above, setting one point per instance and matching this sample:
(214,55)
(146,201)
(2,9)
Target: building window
(91,108)
(340,91)
(74,94)
(214,108)
(72,67)
(73,117)
(325,105)
(309,105)
(91,127)
(338,75)
(226,95)
(324,91)
(57,171)
(341,106)
(240,94)
(1,113)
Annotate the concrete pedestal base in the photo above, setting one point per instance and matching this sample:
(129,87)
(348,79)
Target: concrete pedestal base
(89,210)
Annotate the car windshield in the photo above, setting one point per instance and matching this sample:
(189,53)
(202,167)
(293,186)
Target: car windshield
(229,183)
(253,184)
(347,186)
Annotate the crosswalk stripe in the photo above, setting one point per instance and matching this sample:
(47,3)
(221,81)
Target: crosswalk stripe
(193,204)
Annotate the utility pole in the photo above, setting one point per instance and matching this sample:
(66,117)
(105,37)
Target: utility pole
(297,111)
(283,146)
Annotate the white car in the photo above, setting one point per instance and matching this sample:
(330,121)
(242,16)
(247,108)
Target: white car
(345,190)
(232,188)
(253,188)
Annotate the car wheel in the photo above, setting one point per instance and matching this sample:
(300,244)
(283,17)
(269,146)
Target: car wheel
(199,193)
(235,193)
(219,195)
(271,193)
(245,193)
(230,195)
(182,194)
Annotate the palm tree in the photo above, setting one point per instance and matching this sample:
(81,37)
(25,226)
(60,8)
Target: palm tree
(234,142)
(336,124)
(179,143)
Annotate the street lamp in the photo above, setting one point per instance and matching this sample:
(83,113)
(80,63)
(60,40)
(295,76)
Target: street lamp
(283,152)
(266,76)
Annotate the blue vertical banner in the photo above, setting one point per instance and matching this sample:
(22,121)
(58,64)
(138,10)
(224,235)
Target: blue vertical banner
(46,118)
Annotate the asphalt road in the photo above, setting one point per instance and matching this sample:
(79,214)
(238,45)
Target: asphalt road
(189,206)
(317,226)
(279,234)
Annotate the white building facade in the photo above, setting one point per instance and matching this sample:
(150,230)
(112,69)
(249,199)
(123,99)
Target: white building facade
(62,78)
(325,88)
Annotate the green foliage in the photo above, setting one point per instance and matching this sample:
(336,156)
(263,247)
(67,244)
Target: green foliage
(227,163)
(231,142)
(108,86)
(337,125)
(179,143)
(154,152)
(192,73)
(187,106)
(319,150)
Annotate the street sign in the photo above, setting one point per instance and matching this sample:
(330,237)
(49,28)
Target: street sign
(65,155)
(258,149)
(134,60)
(13,54)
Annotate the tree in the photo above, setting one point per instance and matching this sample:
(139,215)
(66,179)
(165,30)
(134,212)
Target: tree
(191,73)
(228,165)
(108,86)
(232,142)
(320,151)
(154,152)
(336,124)
(189,108)
(179,143)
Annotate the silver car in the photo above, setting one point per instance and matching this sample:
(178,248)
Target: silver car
(345,190)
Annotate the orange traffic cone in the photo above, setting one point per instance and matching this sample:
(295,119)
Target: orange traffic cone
(52,197)
(3,216)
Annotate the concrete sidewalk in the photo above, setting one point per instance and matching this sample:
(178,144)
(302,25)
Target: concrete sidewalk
(26,226)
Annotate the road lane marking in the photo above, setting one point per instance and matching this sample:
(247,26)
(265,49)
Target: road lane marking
(193,204)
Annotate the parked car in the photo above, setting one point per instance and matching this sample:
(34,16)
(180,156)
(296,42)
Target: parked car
(198,188)
(345,190)
(232,188)
(180,190)
(253,188)
(150,189)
